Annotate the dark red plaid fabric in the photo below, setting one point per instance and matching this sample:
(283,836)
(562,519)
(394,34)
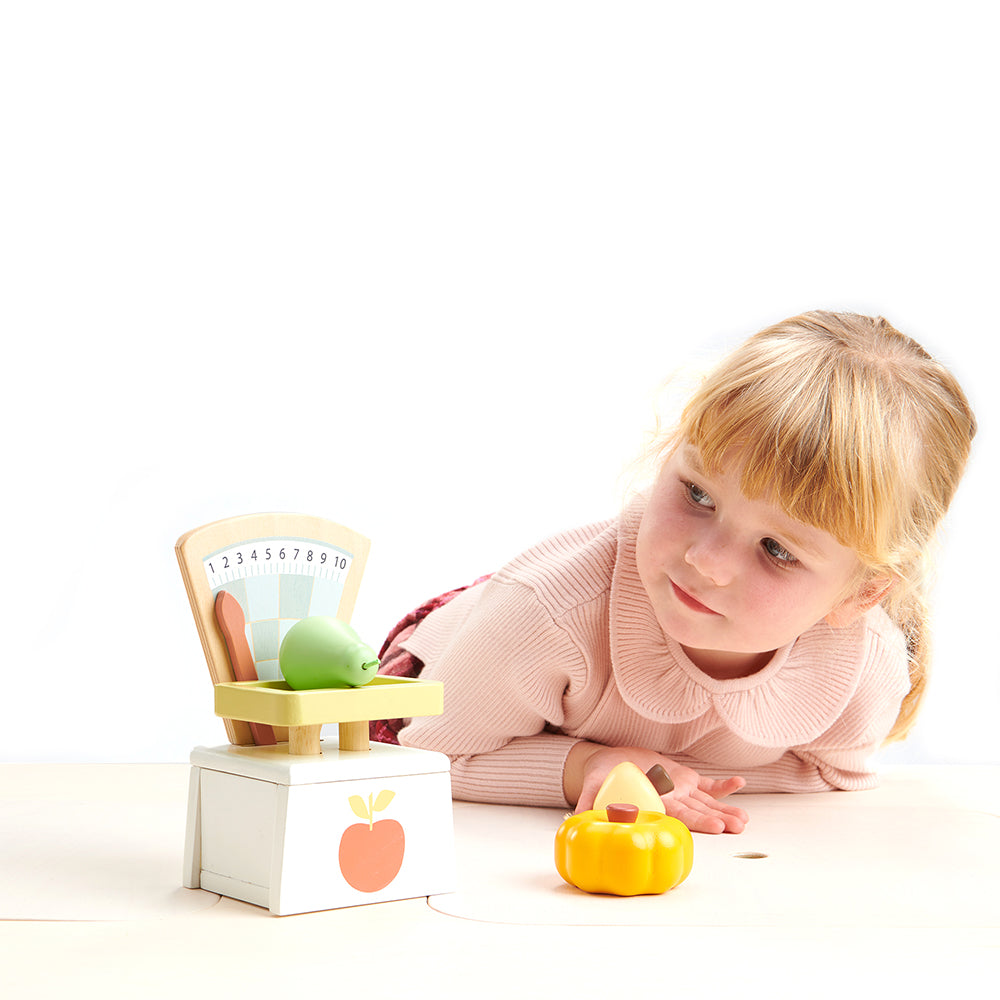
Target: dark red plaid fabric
(394,661)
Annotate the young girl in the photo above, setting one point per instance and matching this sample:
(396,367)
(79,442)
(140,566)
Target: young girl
(753,621)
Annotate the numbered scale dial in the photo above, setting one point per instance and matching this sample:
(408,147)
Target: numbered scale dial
(280,568)
(278,581)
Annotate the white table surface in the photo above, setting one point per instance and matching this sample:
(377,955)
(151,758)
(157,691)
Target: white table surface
(893,892)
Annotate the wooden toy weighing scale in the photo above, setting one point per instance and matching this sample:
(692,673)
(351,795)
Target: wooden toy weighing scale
(280,817)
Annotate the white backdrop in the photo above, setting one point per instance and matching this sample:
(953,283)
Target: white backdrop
(421,268)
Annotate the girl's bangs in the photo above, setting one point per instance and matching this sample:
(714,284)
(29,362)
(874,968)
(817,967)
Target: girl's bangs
(792,453)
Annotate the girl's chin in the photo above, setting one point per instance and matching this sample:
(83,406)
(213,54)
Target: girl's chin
(709,650)
(677,619)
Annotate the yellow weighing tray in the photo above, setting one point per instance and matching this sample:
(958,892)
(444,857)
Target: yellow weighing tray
(305,712)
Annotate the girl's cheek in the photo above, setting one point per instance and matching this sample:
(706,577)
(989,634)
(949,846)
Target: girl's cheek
(774,597)
(670,512)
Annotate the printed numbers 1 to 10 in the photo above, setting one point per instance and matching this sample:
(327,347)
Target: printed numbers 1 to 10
(230,560)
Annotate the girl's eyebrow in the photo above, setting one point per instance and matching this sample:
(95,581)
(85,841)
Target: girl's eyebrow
(693,458)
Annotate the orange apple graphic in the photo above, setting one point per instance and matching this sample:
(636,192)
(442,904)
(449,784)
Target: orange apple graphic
(371,853)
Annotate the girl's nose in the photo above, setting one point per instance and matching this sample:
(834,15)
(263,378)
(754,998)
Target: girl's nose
(713,559)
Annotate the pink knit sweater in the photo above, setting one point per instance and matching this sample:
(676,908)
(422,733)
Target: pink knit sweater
(562,645)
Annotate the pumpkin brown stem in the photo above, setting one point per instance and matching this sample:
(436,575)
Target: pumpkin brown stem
(622,812)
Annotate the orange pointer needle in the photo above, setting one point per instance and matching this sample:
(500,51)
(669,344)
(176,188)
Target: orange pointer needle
(229,615)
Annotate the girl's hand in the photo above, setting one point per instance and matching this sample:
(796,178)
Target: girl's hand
(694,800)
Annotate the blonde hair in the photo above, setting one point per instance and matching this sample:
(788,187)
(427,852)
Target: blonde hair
(853,428)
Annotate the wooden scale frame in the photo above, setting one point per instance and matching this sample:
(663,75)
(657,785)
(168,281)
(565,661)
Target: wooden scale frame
(264,810)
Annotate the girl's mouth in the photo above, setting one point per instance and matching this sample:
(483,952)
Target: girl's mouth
(691,602)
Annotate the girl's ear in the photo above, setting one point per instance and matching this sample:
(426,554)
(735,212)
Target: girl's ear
(855,606)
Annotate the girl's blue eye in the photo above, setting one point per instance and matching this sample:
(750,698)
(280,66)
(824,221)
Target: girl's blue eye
(778,552)
(699,496)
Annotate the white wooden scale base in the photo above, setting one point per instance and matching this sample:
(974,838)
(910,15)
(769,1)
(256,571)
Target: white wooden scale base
(317,832)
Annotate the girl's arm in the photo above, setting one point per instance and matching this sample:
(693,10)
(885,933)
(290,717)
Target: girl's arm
(526,771)
(695,800)
(506,666)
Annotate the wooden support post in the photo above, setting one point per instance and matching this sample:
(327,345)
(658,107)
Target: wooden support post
(303,741)
(354,736)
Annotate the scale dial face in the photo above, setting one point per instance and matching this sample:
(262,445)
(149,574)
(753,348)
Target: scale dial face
(278,581)
(280,568)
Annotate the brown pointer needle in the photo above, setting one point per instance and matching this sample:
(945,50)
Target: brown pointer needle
(229,615)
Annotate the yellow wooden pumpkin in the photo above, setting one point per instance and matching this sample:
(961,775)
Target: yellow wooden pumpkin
(624,851)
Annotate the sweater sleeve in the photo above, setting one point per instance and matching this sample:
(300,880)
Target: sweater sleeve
(506,666)
(802,771)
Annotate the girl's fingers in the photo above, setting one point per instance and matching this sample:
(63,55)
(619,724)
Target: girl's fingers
(732,814)
(700,821)
(701,813)
(712,802)
(719,788)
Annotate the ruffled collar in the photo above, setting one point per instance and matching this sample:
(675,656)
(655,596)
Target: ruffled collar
(791,701)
